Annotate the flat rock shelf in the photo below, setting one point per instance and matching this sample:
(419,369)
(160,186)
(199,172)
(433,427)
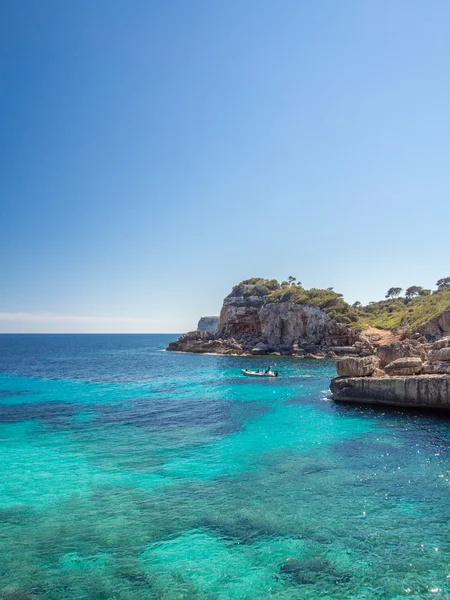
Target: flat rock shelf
(424,391)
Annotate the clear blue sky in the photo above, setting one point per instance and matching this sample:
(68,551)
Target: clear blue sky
(152,154)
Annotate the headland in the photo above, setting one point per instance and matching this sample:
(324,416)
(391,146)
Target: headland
(396,351)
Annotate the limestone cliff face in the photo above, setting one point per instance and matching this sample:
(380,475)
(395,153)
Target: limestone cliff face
(255,325)
(208,324)
(240,317)
(435,328)
(281,325)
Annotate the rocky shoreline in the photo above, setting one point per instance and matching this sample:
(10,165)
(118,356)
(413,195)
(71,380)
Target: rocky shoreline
(421,391)
(412,369)
(408,373)
(252,326)
(202,342)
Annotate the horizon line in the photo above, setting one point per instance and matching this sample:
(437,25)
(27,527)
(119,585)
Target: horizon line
(90,333)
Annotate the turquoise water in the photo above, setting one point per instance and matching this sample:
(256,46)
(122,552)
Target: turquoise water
(130,473)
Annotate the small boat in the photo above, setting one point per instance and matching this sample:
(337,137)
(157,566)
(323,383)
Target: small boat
(248,373)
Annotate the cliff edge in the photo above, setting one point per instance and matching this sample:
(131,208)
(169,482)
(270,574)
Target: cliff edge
(265,317)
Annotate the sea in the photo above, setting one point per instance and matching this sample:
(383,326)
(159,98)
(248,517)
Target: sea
(131,473)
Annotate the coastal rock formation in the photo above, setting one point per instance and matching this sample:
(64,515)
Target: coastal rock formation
(208,324)
(438,357)
(415,374)
(435,328)
(237,320)
(251,322)
(201,342)
(442,343)
(388,353)
(435,368)
(425,391)
(357,367)
(346,350)
(283,326)
(404,366)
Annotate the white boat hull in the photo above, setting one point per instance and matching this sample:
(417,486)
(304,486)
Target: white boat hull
(253,374)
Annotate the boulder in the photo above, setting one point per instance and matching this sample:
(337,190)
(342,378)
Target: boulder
(388,353)
(339,350)
(353,366)
(404,366)
(258,351)
(442,354)
(378,373)
(200,342)
(364,345)
(442,343)
(436,368)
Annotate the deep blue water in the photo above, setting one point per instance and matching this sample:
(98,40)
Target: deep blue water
(131,473)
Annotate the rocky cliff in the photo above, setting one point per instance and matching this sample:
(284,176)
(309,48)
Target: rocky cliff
(281,326)
(435,328)
(254,324)
(208,324)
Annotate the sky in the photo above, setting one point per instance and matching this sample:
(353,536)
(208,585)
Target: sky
(153,154)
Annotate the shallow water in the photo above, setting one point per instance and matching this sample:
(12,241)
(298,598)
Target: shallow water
(130,473)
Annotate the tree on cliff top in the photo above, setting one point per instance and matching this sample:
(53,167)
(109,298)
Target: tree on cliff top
(394,292)
(292,281)
(443,284)
(414,290)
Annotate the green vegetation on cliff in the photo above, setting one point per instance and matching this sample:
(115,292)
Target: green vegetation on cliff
(404,312)
(416,308)
(327,300)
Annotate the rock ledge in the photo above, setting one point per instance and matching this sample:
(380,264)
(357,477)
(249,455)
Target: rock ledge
(424,391)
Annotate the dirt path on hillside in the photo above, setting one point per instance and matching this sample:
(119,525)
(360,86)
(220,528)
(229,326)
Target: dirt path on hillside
(379,337)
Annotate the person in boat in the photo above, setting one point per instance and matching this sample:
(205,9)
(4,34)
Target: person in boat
(269,370)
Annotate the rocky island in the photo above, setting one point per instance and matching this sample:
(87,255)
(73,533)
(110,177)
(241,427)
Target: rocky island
(396,351)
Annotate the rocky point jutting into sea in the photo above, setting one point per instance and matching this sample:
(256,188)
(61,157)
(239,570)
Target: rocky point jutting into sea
(410,366)
(253,322)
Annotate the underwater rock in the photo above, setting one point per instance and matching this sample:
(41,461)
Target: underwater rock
(310,571)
